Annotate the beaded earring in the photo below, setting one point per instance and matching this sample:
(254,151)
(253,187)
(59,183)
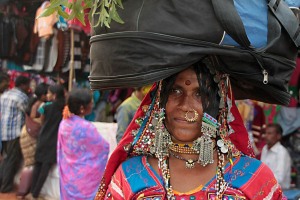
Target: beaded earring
(204,145)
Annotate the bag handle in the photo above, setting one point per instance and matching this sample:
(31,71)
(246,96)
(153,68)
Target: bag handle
(233,25)
(287,19)
(231,21)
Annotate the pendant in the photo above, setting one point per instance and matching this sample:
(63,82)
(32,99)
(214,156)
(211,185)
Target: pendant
(190,163)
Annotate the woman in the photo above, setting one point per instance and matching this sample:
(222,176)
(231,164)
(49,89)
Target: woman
(45,155)
(27,141)
(81,151)
(178,150)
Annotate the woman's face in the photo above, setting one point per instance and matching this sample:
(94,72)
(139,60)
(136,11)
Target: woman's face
(50,96)
(184,97)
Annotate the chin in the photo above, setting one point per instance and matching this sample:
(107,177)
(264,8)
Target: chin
(183,138)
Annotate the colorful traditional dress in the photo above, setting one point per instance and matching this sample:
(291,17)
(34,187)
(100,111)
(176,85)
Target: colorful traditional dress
(82,155)
(247,178)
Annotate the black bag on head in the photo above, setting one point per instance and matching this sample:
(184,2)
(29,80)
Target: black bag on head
(254,41)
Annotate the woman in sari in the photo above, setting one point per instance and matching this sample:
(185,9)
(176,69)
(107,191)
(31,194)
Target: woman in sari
(45,154)
(81,151)
(187,141)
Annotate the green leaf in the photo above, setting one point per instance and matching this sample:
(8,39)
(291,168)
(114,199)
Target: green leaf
(106,24)
(102,11)
(47,12)
(54,3)
(72,15)
(80,17)
(106,3)
(119,3)
(88,4)
(63,13)
(64,3)
(115,16)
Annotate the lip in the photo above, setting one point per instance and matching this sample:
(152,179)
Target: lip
(181,119)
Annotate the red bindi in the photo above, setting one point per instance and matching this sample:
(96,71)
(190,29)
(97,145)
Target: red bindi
(188,82)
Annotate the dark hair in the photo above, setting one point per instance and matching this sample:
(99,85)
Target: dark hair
(41,89)
(21,80)
(208,89)
(277,127)
(78,98)
(58,90)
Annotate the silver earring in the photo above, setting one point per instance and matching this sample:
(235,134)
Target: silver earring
(162,138)
(204,145)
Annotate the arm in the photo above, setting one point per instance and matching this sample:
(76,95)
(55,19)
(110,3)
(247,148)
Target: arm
(115,188)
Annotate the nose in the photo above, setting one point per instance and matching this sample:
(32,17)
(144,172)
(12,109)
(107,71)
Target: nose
(185,103)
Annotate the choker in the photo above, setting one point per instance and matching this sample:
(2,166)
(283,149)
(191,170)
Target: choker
(189,163)
(182,148)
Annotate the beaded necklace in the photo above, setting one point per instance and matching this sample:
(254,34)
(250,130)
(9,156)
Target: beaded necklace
(182,148)
(189,163)
(220,186)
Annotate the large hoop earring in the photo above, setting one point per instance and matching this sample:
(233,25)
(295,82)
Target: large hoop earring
(193,119)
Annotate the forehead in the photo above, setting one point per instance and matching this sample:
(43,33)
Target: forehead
(187,75)
(271,129)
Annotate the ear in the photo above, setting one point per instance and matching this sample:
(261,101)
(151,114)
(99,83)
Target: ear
(279,137)
(82,109)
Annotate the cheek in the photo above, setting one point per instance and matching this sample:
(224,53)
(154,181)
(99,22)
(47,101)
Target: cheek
(168,113)
(170,108)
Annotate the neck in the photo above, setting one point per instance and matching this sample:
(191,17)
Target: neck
(271,145)
(138,95)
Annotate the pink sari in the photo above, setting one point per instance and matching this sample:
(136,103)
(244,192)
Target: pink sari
(81,155)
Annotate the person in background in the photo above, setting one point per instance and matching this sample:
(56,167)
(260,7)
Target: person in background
(28,143)
(39,99)
(4,82)
(13,104)
(276,156)
(81,151)
(45,155)
(127,109)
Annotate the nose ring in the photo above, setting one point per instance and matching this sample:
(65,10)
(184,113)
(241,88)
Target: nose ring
(192,119)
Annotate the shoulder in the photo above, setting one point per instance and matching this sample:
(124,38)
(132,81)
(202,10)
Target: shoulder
(125,104)
(19,94)
(252,176)
(251,166)
(243,168)
(134,167)
(133,161)
(282,148)
(138,174)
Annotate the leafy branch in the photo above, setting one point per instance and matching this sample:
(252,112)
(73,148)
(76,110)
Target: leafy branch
(103,11)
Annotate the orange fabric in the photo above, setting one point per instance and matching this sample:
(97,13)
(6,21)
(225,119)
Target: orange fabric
(193,191)
(44,25)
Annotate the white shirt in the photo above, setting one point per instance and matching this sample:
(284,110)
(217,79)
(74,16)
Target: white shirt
(279,161)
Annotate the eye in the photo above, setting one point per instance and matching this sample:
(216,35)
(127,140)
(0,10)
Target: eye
(175,92)
(198,94)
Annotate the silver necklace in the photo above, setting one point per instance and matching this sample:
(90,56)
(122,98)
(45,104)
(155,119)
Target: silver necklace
(189,163)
